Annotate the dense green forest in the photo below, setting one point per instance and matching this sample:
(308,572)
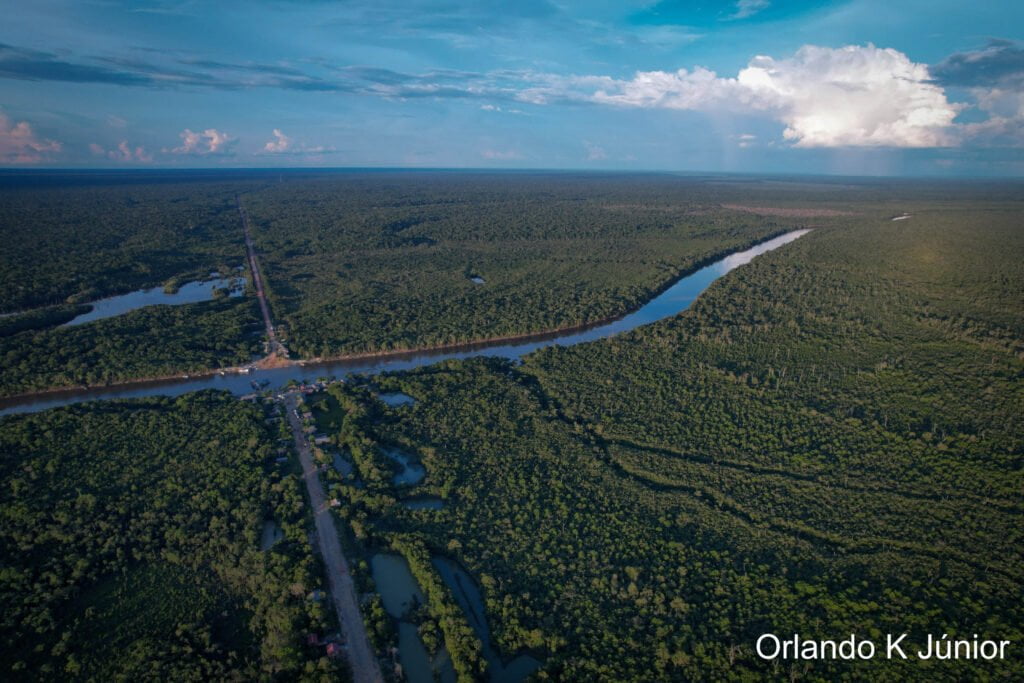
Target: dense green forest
(153,341)
(83,242)
(357,263)
(829,442)
(353,262)
(349,415)
(76,239)
(130,543)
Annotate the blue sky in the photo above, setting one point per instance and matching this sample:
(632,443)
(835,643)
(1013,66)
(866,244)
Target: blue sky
(870,87)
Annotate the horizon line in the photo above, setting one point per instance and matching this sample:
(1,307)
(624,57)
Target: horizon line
(485,169)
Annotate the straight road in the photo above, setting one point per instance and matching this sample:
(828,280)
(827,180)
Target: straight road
(365,668)
(361,658)
(276,347)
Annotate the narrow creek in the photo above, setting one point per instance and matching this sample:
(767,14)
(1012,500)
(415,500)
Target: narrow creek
(401,595)
(673,300)
(467,594)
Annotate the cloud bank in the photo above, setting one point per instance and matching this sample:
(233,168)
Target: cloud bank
(123,153)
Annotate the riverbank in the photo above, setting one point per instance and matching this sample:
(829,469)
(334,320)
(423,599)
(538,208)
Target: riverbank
(553,332)
(672,299)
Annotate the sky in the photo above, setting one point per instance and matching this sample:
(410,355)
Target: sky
(858,87)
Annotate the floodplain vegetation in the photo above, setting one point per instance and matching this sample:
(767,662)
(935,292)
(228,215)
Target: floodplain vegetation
(829,442)
(154,341)
(359,263)
(72,239)
(130,539)
(352,262)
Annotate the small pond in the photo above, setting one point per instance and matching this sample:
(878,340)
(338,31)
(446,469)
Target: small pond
(424,503)
(476,279)
(411,473)
(271,534)
(343,466)
(467,594)
(396,399)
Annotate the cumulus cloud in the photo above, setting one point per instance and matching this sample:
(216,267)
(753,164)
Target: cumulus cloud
(852,96)
(279,144)
(857,96)
(282,145)
(19,144)
(210,141)
(123,153)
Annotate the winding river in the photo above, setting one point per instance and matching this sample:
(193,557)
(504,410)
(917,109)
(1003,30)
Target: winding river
(676,298)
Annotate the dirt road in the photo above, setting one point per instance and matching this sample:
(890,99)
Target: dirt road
(276,349)
(365,668)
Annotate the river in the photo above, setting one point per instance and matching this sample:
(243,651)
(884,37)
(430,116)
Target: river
(676,298)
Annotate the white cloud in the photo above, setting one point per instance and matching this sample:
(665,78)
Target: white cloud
(496,108)
(748,8)
(285,145)
(19,144)
(746,140)
(501,155)
(210,141)
(594,152)
(854,96)
(123,152)
(279,144)
(1005,123)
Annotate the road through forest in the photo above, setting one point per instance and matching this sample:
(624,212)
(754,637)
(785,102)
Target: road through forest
(361,658)
(275,347)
